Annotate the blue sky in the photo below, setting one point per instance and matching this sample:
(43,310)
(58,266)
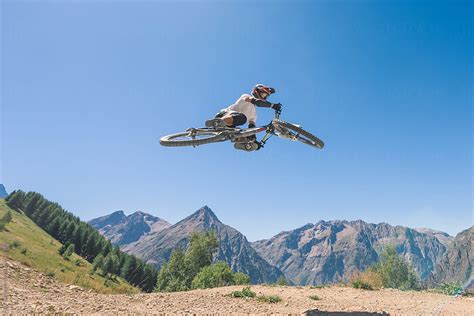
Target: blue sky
(88,88)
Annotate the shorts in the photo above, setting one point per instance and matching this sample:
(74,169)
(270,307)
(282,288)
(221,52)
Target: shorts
(238,118)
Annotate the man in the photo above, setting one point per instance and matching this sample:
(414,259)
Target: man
(244,110)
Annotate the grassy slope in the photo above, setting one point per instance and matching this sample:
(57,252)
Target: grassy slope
(42,254)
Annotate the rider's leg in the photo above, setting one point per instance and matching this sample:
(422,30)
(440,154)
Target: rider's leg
(229,120)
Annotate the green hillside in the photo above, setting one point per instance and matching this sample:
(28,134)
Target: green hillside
(32,246)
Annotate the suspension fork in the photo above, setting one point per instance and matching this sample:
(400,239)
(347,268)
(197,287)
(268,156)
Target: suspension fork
(266,137)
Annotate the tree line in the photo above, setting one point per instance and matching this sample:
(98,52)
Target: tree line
(85,240)
(193,268)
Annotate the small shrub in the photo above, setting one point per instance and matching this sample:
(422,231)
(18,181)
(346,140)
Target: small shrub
(367,280)
(359,284)
(63,270)
(269,298)
(78,262)
(241,278)
(320,286)
(282,281)
(50,274)
(15,244)
(314,297)
(24,251)
(453,288)
(246,292)
(69,251)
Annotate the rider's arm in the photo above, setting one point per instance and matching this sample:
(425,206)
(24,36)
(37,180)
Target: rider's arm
(260,103)
(264,103)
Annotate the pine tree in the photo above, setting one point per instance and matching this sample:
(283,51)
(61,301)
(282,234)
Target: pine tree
(91,246)
(15,200)
(30,207)
(128,267)
(98,262)
(149,278)
(69,251)
(53,228)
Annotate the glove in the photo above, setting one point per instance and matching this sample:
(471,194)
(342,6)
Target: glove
(276,106)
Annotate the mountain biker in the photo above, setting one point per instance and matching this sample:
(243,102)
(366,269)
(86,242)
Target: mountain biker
(244,110)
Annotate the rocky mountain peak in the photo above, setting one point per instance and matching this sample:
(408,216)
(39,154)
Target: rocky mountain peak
(121,229)
(108,220)
(204,217)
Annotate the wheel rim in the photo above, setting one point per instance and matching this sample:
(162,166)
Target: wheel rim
(193,136)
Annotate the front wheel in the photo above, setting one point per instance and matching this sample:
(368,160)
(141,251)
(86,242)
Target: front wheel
(192,137)
(301,135)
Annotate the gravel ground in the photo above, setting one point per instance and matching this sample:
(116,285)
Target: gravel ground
(32,292)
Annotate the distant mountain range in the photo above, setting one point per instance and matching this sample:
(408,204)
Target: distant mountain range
(122,230)
(3,192)
(156,245)
(325,252)
(331,251)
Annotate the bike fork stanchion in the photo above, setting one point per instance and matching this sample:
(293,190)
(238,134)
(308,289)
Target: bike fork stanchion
(264,139)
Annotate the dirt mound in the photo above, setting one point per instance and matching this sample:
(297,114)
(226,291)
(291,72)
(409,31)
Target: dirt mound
(32,292)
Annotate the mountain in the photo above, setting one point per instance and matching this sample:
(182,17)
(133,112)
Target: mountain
(330,251)
(122,230)
(443,238)
(3,192)
(456,265)
(156,247)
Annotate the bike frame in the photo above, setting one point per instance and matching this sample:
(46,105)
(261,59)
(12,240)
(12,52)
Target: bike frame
(234,133)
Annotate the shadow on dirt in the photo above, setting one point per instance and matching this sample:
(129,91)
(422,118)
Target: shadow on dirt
(315,312)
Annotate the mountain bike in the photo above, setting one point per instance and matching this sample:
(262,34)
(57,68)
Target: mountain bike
(201,136)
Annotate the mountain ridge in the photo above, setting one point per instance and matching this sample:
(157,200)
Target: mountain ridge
(121,229)
(156,246)
(331,251)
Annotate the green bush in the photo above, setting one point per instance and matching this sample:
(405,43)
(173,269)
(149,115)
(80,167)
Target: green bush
(5,220)
(178,273)
(395,272)
(215,275)
(50,274)
(314,297)
(358,284)
(282,281)
(269,298)
(246,292)
(241,278)
(23,251)
(453,288)
(15,244)
(69,251)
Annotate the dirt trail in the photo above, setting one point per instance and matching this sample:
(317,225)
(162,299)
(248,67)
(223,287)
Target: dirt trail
(32,292)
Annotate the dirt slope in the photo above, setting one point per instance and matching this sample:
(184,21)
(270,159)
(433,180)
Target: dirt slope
(32,292)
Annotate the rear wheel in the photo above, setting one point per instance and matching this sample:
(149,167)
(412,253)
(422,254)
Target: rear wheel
(302,135)
(192,137)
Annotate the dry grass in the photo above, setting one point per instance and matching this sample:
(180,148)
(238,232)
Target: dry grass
(368,280)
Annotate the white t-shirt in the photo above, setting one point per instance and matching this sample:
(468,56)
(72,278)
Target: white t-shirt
(247,108)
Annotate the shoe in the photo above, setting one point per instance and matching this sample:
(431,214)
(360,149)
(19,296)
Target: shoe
(248,146)
(215,123)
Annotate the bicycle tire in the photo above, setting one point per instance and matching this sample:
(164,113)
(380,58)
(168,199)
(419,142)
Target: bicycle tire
(172,141)
(308,138)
